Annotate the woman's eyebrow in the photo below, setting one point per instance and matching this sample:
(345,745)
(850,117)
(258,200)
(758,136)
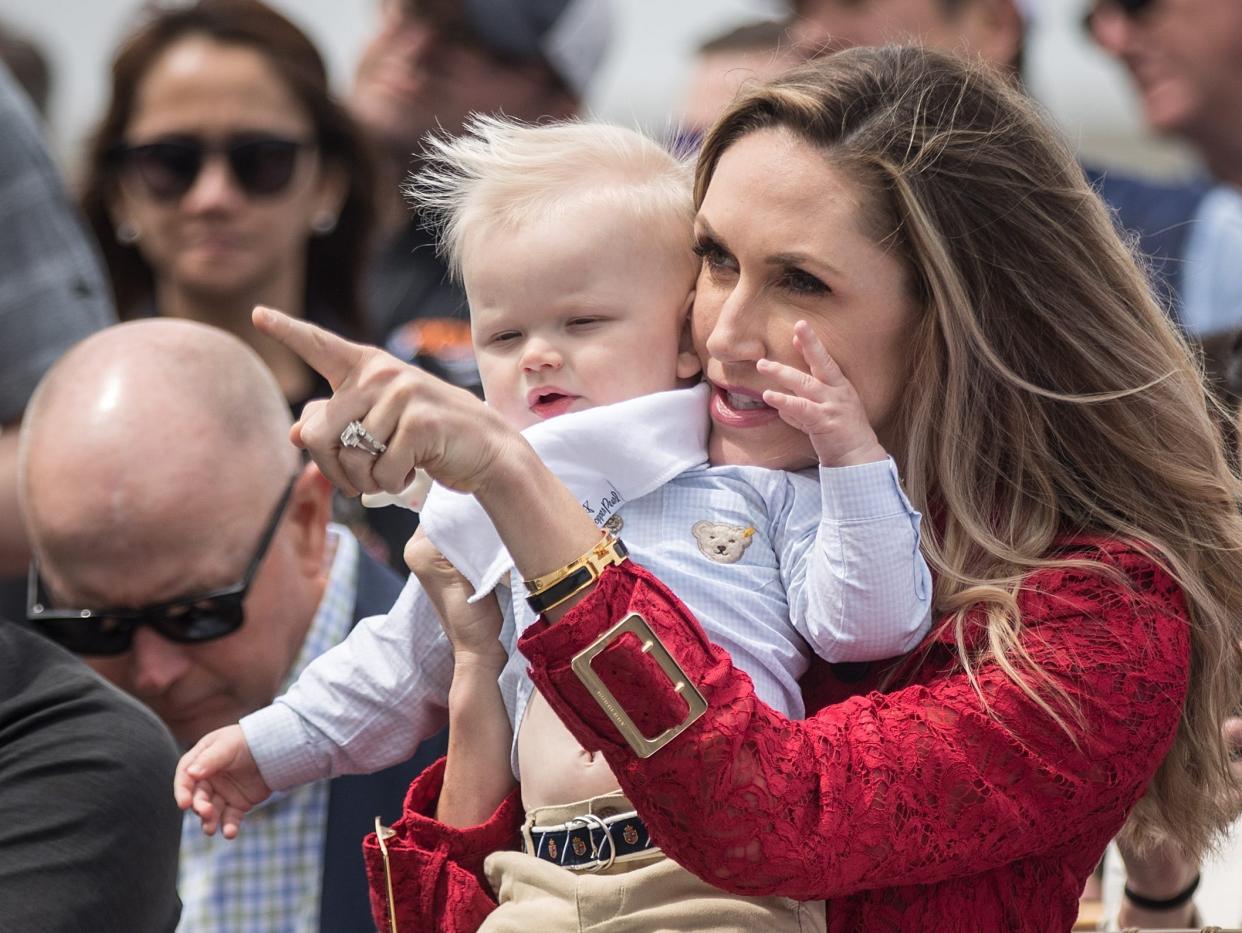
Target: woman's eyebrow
(703,228)
(801,259)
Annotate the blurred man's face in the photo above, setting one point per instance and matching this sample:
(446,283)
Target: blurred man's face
(1185,57)
(415,77)
(832,24)
(200,546)
(719,75)
(990,29)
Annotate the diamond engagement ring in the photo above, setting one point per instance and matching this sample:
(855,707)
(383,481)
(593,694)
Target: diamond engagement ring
(355,435)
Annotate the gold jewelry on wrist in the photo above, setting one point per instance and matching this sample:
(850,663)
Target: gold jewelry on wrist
(551,589)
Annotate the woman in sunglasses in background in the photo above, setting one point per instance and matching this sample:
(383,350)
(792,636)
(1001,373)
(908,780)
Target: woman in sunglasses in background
(223,175)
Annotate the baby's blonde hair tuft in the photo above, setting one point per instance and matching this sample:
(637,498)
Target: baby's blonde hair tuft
(503,173)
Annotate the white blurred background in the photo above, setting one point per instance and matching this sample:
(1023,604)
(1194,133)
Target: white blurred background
(643,80)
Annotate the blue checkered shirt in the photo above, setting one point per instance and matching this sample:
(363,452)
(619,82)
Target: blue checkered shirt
(268,879)
(367,703)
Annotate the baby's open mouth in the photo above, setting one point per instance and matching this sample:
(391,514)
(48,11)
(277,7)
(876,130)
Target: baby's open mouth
(550,403)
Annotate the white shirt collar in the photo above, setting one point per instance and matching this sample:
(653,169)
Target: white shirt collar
(606,456)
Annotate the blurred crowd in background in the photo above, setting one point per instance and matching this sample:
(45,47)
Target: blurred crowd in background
(224,169)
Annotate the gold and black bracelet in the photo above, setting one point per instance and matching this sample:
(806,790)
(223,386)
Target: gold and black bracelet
(551,589)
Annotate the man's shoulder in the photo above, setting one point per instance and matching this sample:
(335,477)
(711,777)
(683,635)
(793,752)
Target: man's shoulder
(418,312)
(42,685)
(84,769)
(1143,203)
(1161,215)
(378,587)
(52,287)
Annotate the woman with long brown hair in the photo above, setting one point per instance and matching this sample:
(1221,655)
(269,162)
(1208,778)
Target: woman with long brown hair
(224,174)
(1084,528)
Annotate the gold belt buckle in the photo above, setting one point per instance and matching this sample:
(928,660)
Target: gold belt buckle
(382,835)
(643,747)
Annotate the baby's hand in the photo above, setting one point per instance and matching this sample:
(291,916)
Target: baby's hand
(472,628)
(219,779)
(822,404)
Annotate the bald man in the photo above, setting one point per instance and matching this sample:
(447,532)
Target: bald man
(156,475)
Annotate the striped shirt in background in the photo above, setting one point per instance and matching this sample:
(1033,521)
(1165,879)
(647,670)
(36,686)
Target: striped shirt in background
(268,879)
(395,670)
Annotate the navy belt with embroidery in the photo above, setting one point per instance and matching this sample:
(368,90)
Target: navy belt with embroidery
(590,842)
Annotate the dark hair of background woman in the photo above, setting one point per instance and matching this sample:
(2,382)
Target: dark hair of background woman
(334,262)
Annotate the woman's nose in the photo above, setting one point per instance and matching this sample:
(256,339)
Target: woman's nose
(735,331)
(215,188)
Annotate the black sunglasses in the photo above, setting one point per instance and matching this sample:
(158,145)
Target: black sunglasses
(1131,9)
(263,165)
(192,619)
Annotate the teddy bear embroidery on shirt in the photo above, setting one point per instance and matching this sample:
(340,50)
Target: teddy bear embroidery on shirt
(722,543)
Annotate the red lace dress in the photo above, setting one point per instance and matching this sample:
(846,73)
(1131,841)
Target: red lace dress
(911,809)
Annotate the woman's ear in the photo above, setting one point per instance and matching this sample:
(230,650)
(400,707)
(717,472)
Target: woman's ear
(119,214)
(333,188)
(688,365)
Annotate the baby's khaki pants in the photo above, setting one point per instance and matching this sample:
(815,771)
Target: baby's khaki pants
(643,896)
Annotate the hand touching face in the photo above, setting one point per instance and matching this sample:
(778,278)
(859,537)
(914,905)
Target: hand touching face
(781,237)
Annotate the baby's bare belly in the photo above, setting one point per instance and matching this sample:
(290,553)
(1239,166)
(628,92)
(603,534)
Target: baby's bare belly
(555,769)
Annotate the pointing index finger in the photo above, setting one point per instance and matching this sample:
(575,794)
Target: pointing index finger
(331,356)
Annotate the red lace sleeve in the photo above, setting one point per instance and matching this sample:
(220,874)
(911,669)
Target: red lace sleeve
(912,787)
(436,870)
